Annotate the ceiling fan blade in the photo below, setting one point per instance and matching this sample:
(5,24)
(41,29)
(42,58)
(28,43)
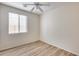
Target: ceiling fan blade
(44,4)
(32,9)
(41,9)
(25,5)
(29,4)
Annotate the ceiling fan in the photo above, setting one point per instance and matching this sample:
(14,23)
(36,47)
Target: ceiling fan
(36,5)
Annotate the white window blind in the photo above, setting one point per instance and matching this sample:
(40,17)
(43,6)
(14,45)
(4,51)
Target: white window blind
(23,25)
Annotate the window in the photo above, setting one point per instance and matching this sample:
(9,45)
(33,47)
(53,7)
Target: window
(17,23)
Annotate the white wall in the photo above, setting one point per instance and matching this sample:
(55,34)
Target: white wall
(8,41)
(60,27)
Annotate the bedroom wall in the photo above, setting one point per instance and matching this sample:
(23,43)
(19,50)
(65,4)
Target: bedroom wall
(7,40)
(60,27)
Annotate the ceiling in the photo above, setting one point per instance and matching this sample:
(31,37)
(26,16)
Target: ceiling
(52,5)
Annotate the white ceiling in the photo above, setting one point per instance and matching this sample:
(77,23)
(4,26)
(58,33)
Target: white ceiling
(53,5)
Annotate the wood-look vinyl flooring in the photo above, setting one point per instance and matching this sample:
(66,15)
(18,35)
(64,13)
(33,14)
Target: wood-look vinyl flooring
(37,48)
